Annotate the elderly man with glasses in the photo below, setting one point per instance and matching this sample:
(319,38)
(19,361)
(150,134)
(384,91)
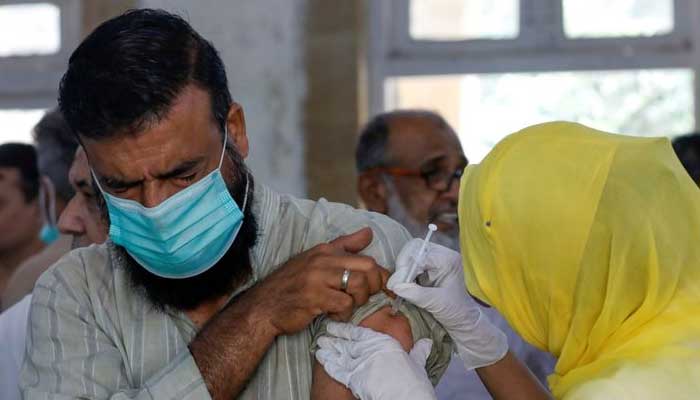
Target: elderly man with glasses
(409,165)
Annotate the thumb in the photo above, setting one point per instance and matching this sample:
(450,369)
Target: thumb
(421,350)
(354,242)
(331,363)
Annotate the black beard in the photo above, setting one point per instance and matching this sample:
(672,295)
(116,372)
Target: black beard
(233,270)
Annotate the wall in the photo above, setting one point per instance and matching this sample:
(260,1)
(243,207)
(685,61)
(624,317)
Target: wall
(261,43)
(335,106)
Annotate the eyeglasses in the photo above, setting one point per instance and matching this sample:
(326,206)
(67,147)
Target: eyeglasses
(437,179)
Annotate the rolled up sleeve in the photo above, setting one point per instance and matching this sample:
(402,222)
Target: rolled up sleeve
(389,238)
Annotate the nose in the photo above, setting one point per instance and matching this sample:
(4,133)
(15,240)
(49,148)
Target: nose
(71,221)
(154,193)
(452,194)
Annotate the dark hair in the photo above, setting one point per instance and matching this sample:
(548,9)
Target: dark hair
(55,148)
(23,157)
(126,74)
(687,148)
(372,151)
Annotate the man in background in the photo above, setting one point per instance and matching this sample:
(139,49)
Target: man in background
(20,214)
(55,147)
(82,220)
(409,164)
(82,223)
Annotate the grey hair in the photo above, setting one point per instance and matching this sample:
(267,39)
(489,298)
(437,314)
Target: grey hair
(55,146)
(372,148)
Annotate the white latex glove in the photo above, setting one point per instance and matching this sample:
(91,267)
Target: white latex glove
(373,365)
(479,343)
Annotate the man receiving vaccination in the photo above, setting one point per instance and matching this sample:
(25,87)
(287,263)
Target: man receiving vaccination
(210,281)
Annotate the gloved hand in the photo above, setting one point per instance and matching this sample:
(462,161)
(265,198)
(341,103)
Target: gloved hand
(373,365)
(479,343)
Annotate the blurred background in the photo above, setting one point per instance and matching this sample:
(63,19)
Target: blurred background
(309,73)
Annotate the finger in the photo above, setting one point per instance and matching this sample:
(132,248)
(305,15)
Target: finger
(410,249)
(353,262)
(326,343)
(333,301)
(405,271)
(333,366)
(395,279)
(340,330)
(338,346)
(421,351)
(354,242)
(370,344)
(385,280)
(358,288)
(389,293)
(384,275)
(375,274)
(377,279)
(439,262)
(348,331)
(341,308)
(325,356)
(363,271)
(340,316)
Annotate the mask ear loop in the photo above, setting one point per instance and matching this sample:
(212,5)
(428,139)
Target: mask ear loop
(247,178)
(97,181)
(223,151)
(245,198)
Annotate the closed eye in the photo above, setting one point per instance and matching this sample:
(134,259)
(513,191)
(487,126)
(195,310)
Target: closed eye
(187,178)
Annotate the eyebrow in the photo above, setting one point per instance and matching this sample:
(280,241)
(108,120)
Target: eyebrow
(179,169)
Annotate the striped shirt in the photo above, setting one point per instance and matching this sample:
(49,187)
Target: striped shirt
(91,335)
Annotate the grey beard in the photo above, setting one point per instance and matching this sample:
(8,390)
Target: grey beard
(397,211)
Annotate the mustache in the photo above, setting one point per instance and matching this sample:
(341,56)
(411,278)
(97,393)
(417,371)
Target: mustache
(444,216)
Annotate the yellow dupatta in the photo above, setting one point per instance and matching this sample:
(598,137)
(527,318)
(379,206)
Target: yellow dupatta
(589,244)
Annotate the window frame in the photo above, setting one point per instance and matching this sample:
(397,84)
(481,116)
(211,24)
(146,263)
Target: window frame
(31,81)
(541,46)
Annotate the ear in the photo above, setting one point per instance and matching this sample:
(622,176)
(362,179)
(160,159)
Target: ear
(235,123)
(373,192)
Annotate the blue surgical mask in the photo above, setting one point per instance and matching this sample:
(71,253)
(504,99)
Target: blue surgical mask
(48,233)
(183,236)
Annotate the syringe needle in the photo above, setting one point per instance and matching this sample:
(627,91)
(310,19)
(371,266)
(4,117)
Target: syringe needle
(417,260)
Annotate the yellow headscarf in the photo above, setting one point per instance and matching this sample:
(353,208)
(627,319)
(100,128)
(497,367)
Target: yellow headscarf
(589,244)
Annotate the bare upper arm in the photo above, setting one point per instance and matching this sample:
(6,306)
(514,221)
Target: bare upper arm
(396,326)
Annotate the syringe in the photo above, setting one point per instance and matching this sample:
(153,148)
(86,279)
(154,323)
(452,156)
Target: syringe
(417,260)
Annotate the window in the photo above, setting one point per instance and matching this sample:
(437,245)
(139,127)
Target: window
(463,19)
(29,29)
(36,39)
(620,18)
(630,69)
(483,108)
(17,124)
